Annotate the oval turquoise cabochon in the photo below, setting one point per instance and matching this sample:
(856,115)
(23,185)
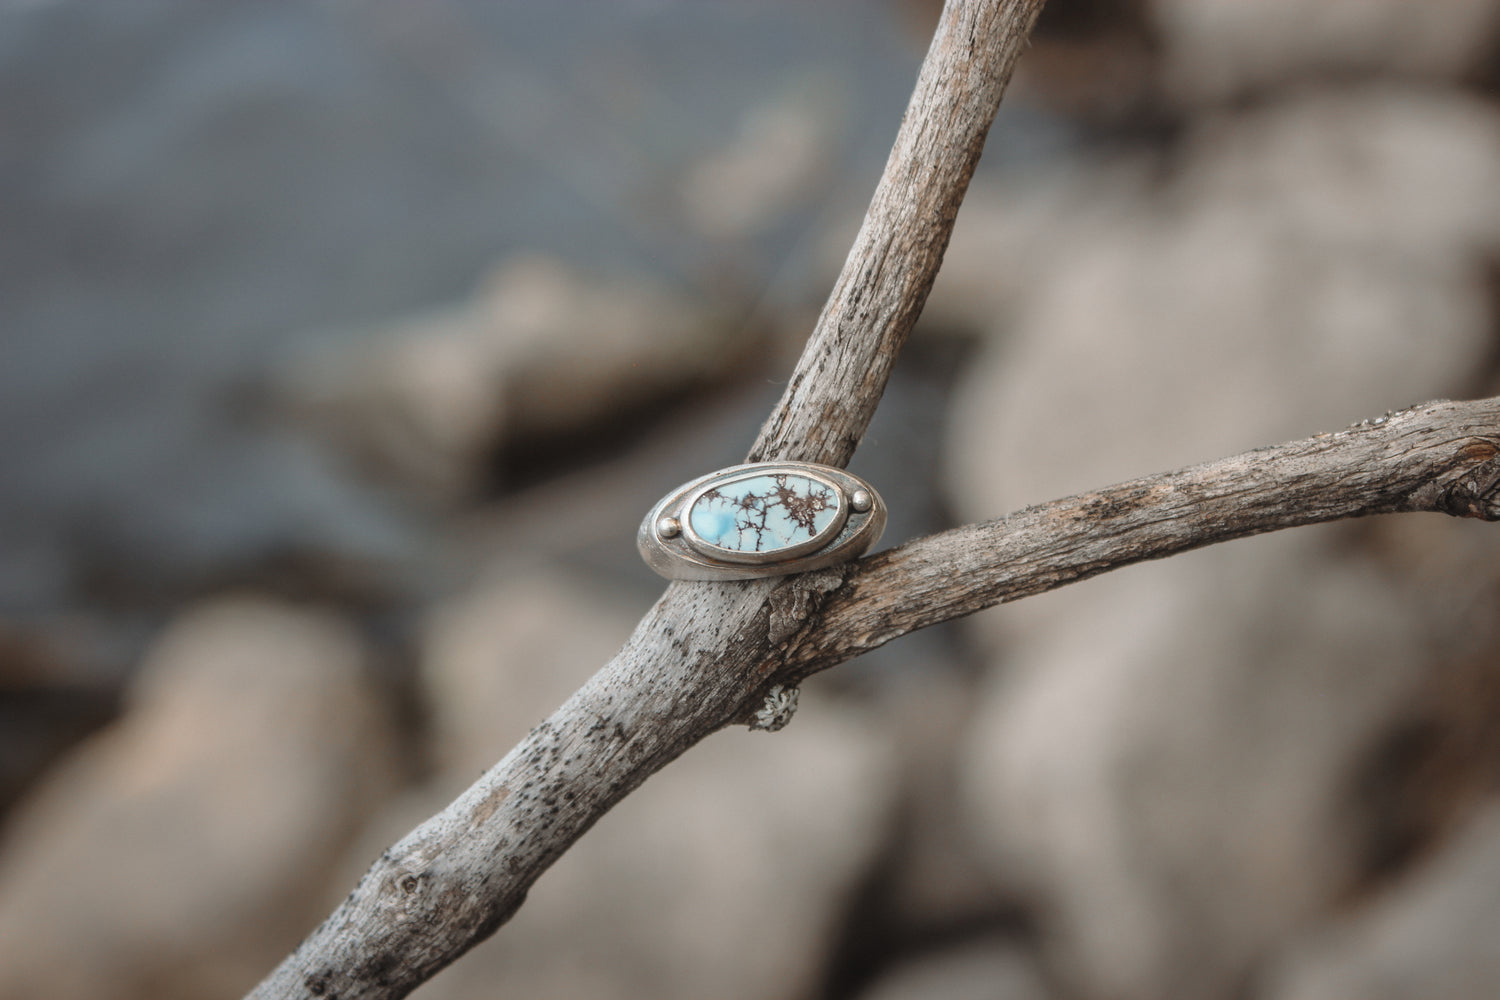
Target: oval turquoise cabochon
(765,514)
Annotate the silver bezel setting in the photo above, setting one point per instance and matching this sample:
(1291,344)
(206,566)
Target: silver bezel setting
(687,556)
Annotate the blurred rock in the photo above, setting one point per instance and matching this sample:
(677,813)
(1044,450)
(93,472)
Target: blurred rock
(1170,765)
(1222,49)
(1012,227)
(1399,171)
(1355,181)
(499,658)
(932,887)
(1435,936)
(781,156)
(189,191)
(1094,61)
(726,873)
(180,852)
(937,876)
(1183,759)
(542,352)
(1309,266)
(47,703)
(996,970)
(1439,759)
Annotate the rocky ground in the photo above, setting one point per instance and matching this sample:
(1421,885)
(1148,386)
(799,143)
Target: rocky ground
(305,524)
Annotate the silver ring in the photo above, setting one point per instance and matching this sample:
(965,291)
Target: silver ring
(761,519)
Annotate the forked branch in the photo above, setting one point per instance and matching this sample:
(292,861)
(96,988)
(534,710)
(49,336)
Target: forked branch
(707,654)
(700,655)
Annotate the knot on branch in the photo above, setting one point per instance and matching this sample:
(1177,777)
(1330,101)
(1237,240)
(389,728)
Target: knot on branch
(792,609)
(1470,488)
(795,604)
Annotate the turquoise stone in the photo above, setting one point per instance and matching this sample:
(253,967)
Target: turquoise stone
(764,513)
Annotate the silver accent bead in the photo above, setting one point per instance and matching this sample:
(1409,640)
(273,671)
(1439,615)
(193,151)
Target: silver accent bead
(669,527)
(861,501)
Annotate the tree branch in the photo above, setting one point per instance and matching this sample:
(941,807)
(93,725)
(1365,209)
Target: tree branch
(708,654)
(441,885)
(884,283)
(700,658)
(1442,457)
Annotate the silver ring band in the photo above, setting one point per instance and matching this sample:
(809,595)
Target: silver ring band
(761,519)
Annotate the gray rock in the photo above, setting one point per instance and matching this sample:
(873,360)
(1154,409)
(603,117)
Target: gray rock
(179,852)
(1268,292)
(1170,759)
(984,970)
(1219,49)
(1434,936)
(1167,764)
(188,192)
(780,159)
(541,351)
(498,658)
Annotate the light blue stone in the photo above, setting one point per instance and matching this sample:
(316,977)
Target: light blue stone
(764,513)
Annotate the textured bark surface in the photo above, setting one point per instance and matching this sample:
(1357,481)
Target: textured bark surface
(709,654)
(1441,457)
(884,283)
(699,659)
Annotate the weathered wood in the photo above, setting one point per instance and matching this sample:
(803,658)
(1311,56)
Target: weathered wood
(442,883)
(709,654)
(884,283)
(698,660)
(1441,457)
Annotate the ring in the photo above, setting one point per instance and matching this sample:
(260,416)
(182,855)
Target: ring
(761,519)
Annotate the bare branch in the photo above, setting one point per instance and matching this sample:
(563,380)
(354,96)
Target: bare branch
(699,659)
(1442,457)
(639,712)
(843,370)
(707,654)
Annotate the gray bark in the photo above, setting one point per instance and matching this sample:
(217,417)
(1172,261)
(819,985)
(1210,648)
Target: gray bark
(711,654)
(1441,457)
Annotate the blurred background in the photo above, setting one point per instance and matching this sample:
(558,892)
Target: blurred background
(343,344)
